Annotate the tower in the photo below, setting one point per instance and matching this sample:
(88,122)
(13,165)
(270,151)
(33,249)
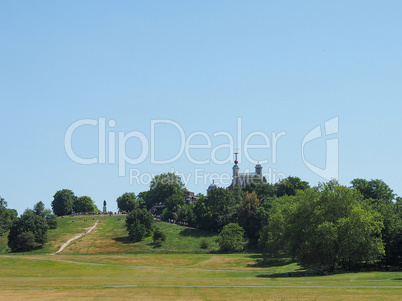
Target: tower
(236,170)
(258,170)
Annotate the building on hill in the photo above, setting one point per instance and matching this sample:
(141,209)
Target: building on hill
(210,187)
(190,197)
(241,179)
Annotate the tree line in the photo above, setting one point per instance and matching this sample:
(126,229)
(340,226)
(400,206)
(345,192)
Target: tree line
(329,225)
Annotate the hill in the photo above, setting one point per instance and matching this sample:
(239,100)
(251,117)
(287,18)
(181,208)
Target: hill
(110,237)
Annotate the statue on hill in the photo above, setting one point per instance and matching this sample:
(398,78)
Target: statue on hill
(104,207)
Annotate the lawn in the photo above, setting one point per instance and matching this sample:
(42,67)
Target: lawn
(181,277)
(105,264)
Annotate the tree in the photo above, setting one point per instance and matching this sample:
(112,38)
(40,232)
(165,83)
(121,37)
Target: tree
(139,224)
(374,189)
(84,204)
(28,232)
(186,214)
(232,238)
(51,221)
(379,197)
(203,213)
(127,202)
(137,231)
(272,240)
(7,216)
(39,208)
(248,214)
(326,226)
(290,185)
(158,237)
(174,204)
(216,210)
(162,187)
(63,202)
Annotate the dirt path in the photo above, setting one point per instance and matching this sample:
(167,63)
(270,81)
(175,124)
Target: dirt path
(75,237)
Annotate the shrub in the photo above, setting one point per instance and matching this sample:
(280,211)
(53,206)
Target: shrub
(137,231)
(231,238)
(159,237)
(204,244)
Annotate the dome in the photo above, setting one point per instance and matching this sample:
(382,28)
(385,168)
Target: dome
(212,186)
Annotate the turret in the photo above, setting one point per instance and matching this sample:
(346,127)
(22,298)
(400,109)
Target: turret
(236,171)
(258,170)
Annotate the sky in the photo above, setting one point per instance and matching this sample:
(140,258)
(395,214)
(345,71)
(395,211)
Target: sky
(100,96)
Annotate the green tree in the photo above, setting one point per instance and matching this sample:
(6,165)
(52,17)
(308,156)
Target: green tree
(162,187)
(139,224)
(203,214)
(39,208)
(63,202)
(174,204)
(326,226)
(249,219)
(7,216)
(127,202)
(186,214)
(290,185)
(137,231)
(263,189)
(379,197)
(84,204)
(51,221)
(232,238)
(374,189)
(216,210)
(158,237)
(272,240)
(27,232)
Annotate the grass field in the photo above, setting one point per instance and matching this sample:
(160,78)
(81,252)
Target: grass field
(103,264)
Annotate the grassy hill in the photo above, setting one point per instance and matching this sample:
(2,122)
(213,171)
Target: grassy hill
(105,264)
(110,237)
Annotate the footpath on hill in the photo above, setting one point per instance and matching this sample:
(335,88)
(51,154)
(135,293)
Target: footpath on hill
(74,238)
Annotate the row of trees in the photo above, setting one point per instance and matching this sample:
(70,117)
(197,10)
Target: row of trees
(65,202)
(329,225)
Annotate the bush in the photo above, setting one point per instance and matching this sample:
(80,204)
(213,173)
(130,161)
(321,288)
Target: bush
(204,244)
(159,237)
(137,231)
(231,238)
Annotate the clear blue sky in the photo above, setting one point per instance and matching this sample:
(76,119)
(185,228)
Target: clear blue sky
(278,66)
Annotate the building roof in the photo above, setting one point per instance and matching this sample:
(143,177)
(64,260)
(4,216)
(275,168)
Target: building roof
(212,186)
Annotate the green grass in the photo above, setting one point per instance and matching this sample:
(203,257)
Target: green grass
(182,239)
(111,237)
(105,264)
(181,277)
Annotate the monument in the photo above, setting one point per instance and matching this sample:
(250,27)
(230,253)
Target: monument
(104,207)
